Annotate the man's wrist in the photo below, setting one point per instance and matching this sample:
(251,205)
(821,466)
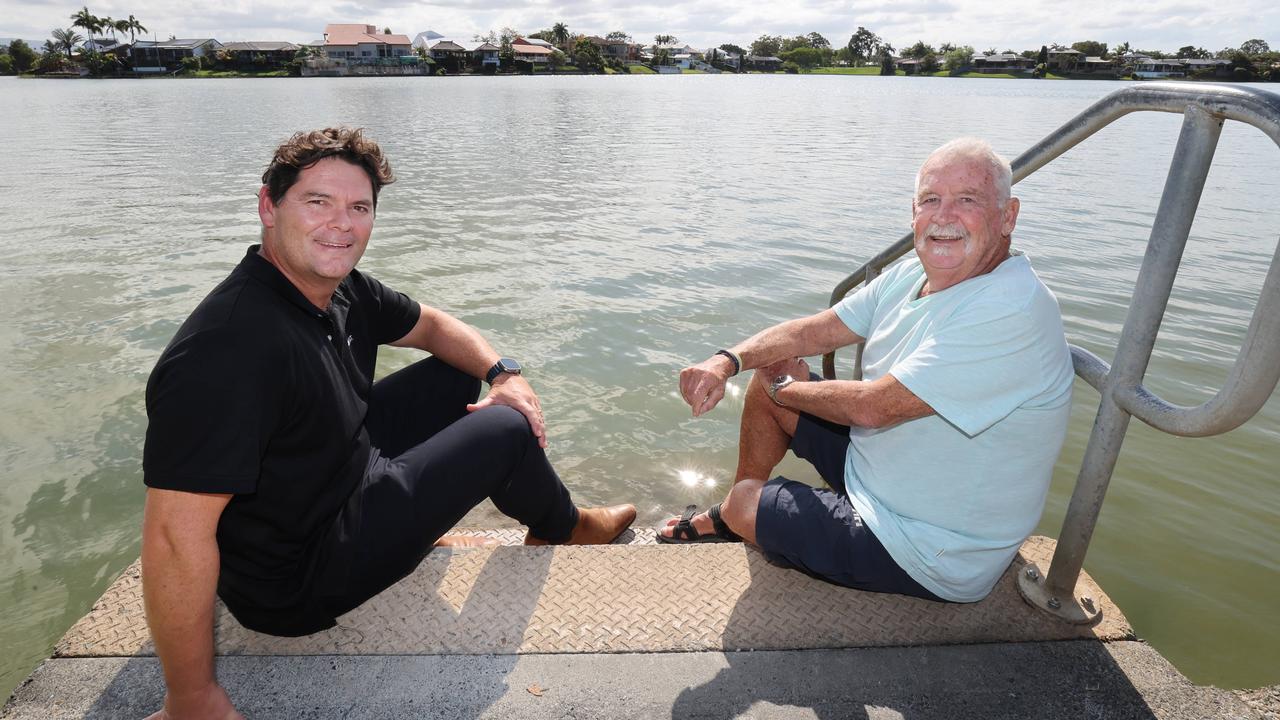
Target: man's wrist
(733,358)
(504,366)
(776,386)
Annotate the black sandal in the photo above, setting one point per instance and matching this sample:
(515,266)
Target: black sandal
(684,532)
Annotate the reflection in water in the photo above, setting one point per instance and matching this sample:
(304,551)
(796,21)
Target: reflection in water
(73,536)
(693,479)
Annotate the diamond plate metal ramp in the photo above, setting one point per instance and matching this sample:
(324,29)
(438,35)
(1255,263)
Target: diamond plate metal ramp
(615,598)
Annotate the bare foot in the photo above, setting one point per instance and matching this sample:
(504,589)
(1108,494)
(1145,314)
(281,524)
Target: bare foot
(596,526)
(465,541)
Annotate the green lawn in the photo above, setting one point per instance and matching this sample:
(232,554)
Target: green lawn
(642,70)
(691,71)
(1006,76)
(237,74)
(869,70)
(875,70)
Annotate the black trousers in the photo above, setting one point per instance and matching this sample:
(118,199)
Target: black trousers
(434,462)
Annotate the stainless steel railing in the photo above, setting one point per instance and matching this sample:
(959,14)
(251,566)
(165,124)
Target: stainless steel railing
(1256,371)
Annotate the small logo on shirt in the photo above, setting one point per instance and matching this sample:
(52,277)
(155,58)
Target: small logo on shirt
(349,341)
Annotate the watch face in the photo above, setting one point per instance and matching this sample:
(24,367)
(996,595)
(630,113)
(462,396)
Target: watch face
(509,366)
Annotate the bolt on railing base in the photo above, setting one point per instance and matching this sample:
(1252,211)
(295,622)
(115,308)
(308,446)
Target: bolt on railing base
(1080,608)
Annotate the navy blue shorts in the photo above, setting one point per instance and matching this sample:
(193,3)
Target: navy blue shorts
(817,531)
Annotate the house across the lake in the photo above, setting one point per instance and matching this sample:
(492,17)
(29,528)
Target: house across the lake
(166,55)
(353,49)
(261,54)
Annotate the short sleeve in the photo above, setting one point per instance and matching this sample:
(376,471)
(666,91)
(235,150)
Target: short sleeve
(857,311)
(391,314)
(211,409)
(977,366)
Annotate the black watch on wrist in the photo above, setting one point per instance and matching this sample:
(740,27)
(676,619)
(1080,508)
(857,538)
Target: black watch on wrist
(504,365)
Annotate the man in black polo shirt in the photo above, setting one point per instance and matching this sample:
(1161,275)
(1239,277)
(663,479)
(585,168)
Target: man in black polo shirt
(279,475)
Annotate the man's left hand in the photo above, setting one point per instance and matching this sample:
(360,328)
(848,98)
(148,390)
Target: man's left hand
(514,391)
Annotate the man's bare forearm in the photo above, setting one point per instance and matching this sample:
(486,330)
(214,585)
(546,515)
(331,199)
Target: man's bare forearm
(802,337)
(858,403)
(451,340)
(179,582)
(703,385)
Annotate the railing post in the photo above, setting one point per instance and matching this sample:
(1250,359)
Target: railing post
(1056,592)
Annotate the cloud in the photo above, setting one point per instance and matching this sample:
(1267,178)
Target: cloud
(1156,24)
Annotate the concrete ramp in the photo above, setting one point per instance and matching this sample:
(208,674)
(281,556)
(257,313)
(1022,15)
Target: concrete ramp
(636,630)
(622,598)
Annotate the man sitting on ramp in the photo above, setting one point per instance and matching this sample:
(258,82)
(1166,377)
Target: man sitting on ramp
(280,474)
(938,461)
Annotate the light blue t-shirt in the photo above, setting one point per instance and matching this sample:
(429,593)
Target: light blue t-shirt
(952,496)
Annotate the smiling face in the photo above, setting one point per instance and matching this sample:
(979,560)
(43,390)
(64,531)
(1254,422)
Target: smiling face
(319,229)
(961,227)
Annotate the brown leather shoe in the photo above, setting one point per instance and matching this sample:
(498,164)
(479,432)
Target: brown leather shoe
(465,541)
(596,526)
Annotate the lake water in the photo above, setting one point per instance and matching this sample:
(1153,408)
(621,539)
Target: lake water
(608,231)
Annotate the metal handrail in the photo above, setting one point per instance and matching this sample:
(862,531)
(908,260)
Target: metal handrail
(1256,371)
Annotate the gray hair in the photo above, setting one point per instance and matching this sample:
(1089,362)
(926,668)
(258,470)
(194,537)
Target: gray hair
(973,148)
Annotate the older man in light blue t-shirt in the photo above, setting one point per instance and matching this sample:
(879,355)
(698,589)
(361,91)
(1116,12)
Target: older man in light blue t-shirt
(939,460)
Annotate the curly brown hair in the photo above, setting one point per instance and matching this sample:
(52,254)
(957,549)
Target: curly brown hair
(307,148)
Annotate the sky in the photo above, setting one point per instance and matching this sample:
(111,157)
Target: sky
(1151,25)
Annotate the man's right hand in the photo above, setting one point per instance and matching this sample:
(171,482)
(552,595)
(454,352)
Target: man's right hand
(702,385)
(210,703)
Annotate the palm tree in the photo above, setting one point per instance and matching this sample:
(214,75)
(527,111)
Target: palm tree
(66,39)
(87,20)
(106,23)
(123,26)
(560,33)
(135,26)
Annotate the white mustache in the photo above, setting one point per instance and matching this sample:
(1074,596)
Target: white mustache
(955,230)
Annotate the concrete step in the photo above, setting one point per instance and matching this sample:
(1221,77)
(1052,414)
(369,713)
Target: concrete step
(1049,680)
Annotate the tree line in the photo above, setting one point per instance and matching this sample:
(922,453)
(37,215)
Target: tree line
(1253,59)
(56,54)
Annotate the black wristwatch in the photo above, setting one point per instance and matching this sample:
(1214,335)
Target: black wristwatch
(504,365)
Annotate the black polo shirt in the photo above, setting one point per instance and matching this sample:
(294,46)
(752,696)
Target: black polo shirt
(262,395)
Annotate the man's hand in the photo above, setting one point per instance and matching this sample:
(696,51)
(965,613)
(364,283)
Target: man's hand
(702,385)
(210,703)
(514,391)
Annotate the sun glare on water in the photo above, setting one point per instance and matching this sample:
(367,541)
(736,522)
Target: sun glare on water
(693,479)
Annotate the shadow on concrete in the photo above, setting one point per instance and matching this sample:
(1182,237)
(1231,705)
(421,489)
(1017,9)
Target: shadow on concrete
(270,677)
(1068,678)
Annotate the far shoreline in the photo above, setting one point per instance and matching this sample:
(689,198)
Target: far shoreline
(869,71)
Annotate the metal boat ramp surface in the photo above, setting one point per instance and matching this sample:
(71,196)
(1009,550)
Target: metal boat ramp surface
(636,629)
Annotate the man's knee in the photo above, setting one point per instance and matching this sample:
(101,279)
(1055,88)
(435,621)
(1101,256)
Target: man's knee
(759,405)
(739,508)
(504,422)
(755,388)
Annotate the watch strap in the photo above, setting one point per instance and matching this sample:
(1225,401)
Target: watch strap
(493,373)
(733,358)
(501,367)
